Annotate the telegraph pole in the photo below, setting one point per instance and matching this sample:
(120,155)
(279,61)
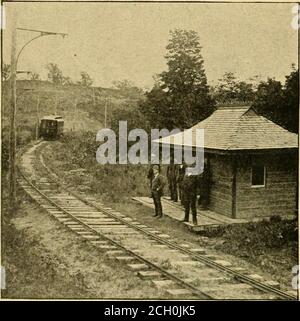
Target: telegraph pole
(13,103)
(105,113)
(56,104)
(94,99)
(74,113)
(12,133)
(37,118)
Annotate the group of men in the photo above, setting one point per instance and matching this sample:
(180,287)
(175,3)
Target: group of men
(182,185)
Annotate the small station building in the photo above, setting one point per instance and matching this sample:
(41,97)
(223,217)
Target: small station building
(253,163)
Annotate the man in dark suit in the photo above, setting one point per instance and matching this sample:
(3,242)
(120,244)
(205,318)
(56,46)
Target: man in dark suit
(150,175)
(172,175)
(180,176)
(189,190)
(157,187)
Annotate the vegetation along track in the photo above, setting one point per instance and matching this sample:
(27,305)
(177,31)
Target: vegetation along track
(182,270)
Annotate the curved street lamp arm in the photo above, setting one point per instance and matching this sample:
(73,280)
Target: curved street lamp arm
(27,43)
(42,34)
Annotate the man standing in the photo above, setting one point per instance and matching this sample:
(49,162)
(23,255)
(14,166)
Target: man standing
(150,175)
(205,183)
(180,176)
(157,187)
(189,191)
(172,175)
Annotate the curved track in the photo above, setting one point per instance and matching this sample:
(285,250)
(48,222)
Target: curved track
(182,270)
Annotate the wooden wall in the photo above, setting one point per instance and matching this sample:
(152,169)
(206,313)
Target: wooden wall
(221,187)
(279,194)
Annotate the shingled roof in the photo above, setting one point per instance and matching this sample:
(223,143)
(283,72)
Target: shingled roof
(238,128)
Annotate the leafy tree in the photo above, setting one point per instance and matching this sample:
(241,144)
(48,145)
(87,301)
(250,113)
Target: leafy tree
(269,100)
(157,109)
(55,75)
(230,89)
(280,103)
(181,96)
(255,81)
(134,118)
(226,88)
(5,71)
(244,91)
(85,80)
(291,101)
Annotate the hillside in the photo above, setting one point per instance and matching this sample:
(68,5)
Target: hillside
(82,107)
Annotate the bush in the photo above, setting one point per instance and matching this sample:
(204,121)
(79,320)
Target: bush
(111,182)
(24,137)
(259,236)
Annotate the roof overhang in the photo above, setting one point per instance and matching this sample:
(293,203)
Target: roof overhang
(239,151)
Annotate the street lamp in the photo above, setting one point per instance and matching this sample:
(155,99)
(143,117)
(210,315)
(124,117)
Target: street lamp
(12,137)
(41,34)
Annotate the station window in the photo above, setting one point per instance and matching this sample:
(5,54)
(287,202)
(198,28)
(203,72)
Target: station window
(258,176)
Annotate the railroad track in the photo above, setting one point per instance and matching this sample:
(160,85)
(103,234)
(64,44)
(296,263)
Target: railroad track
(182,270)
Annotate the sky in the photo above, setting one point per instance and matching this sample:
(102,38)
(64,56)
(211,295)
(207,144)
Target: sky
(115,41)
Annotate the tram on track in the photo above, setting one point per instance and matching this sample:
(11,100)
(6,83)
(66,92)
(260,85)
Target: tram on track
(51,127)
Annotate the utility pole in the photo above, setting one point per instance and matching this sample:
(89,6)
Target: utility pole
(74,113)
(56,103)
(13,103)
(37,119)
(94,99)
(12,134)
(105,113)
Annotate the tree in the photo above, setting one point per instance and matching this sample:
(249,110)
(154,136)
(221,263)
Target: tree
(180,97)
(280,103)
(255,81)
(157,109)
(55,75)
(86,80)
(269,99)
(185,81)
(291,100)
(226,88)
(5,71)
(230,89)
(244,92)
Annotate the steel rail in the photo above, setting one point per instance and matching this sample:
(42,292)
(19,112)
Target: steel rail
(198,257)
(238,276)
(167,274)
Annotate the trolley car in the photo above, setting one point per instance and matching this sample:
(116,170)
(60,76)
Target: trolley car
(51,127)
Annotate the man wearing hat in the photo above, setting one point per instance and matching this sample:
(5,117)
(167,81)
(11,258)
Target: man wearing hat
(189,190)
(157,186)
